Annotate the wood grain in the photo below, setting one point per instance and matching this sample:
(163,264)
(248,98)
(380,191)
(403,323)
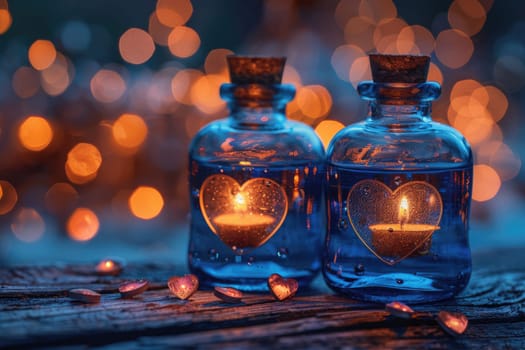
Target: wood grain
(36,312)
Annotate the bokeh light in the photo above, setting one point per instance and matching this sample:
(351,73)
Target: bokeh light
(486,183)
(107,86)
(56,78)
(204,93)
(453,48)
(83,163)
(172,13)
(9,197)
(129,130)
(5,20)
(327,130)
(82,225)
(42,54)
(215,62)
(35,133)
(146,202)
(26,82)
(183,41)
(136,46)
(467,15)
(158,31)
(28,226)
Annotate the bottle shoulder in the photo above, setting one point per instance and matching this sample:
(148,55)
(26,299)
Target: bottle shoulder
(220,142)
(429,144)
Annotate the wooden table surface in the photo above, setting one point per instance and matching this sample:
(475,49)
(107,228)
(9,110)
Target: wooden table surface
(35,312)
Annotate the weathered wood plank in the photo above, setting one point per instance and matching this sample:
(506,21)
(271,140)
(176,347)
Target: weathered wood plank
(35,312)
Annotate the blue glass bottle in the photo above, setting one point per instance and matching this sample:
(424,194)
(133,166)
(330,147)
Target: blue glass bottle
(398,190)
(257,204)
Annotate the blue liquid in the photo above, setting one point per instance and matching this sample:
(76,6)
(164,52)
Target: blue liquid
(350,268)
(293,251)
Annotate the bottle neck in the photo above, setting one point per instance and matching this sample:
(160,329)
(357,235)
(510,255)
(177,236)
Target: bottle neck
(257,106)
(399,105)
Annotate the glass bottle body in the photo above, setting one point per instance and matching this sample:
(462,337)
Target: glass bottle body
(398,191)
(256,146)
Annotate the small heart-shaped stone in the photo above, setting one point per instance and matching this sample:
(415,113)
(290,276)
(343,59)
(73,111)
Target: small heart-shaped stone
(454,323)
(282,288)
(183,287)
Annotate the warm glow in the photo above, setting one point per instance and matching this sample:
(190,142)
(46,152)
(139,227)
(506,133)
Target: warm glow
(107,86)
(5,20)
(204,93)
(215,62)
(9,197)
(403,210)
(146,202)
(25,82)
(415,40)
(83,162)
(42,54)
(173,13)
(469,16)
(158,31)
(240,204)
(314,101)
(386,34)
(181,85)
(292,76)
(28,226)
(359,31)
(82,225)
(35,133)
(327,130)
(486,183)
(497,102)
(344,57)
(129,131)
(434,74)
(136,46)
(56,78)
(378,9)
(183,41)
(454,48)
(360,70)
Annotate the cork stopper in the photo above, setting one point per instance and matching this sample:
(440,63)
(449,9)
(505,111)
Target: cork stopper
(256,70)
(399,68)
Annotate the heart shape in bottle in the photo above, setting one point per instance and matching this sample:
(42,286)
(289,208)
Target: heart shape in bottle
(394,225)
(244,216)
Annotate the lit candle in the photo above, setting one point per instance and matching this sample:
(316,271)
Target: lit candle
(108,267)
(401,239)
(242,228)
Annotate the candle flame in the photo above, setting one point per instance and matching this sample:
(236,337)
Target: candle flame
(240,202)
(403,211)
